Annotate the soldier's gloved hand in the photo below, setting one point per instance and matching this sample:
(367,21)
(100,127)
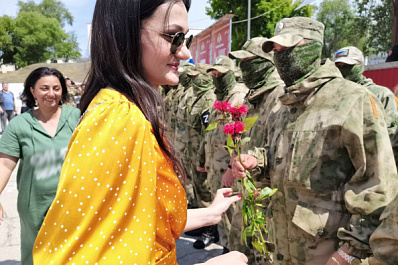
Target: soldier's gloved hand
(248,162)
(201,169)
(228,178)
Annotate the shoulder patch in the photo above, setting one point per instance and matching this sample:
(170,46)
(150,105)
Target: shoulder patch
(205,118)
(372,102)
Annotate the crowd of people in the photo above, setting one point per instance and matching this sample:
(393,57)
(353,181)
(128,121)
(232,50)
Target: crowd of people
(120,179)
(325,137)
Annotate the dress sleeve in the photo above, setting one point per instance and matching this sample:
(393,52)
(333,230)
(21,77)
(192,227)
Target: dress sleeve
(370,188)
(9,143)
(105,206)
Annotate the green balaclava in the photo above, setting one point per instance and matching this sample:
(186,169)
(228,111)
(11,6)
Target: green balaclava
(202,83)
(352,72)
(224,84)
(256,71)
(185,80)
(298,62)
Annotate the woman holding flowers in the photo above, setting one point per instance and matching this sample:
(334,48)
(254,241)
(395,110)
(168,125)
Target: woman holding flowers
(121,198)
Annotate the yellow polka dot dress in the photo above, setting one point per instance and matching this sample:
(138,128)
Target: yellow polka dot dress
(118,200)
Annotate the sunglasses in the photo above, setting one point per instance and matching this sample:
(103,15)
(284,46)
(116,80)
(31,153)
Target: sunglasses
(176,40)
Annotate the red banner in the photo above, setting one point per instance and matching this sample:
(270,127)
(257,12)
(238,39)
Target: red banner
(203,49)
(213,41)
(220,41)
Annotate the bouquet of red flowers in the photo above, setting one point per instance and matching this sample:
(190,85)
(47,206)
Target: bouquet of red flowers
(254,223)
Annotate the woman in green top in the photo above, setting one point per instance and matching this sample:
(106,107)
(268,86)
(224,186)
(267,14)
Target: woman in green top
(38,139)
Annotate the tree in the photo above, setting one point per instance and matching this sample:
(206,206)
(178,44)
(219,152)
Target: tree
(32,38)
(341,28)
(48,8)
(269,12)
(376,18)
(7,49)
(68,49)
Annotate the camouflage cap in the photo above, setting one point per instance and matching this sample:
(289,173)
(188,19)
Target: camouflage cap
(349,55)
(185,67)
(223,64)
(200,68)
(251,48)
(290,31)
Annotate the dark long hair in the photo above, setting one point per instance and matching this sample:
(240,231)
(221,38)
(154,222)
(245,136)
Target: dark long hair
(116,61)
(32,79)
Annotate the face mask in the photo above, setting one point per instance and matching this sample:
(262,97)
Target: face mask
(202,83)
(297,63)
(256,71)
(223,84)
(185,80)
(352,72)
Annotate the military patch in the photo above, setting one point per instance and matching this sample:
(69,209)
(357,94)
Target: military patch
(342,53)
(279,27)
(372,102)
(205,118)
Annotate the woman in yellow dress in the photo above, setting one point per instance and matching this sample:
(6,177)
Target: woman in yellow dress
(120,199)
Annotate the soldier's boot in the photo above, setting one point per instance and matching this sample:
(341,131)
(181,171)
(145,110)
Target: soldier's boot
(208,237)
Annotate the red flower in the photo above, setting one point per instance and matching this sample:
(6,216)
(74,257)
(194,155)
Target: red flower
(239,127)
(232,129)
(239,110)
(222,106)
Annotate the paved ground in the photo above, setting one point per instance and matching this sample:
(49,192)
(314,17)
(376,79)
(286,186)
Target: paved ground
(10,235)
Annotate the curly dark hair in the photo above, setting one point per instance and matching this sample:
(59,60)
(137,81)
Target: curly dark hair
(32,79)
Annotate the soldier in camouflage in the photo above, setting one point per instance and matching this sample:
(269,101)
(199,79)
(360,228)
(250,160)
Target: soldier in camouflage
(262,78)
(328,154)
(212,152)
(350,62)
(384,240)
(198,120)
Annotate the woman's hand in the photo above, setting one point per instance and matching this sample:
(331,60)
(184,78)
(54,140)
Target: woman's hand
(222,201)
(231,258)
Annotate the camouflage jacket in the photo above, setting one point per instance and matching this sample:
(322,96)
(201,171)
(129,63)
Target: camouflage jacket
(168,102)
(212,150)
(385,95)
(175,100)
(181,119)
(331,159)
(260,102)
(384,240)
(197,121)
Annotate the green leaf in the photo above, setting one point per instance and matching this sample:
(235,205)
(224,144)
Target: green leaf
(249,231)
(244,141)
(260,221)
(266,193)
(230,141)
(249,122)
(230,150)
(259,246)
(249,185)
(212,126)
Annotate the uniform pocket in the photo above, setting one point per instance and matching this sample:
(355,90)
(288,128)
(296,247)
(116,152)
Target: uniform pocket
(320,221)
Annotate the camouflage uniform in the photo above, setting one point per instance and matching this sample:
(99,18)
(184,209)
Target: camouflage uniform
(384,240)
(329,156)
(212,152)
(352,69)
(72,92)
(168,102)
(260,75)
(198,114)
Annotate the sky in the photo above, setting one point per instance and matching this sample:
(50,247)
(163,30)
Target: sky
(82,12)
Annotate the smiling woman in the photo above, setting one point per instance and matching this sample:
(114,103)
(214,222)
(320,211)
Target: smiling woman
(38,139)
(121,198)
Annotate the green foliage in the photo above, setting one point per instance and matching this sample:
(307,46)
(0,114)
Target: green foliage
(48,8)
(262,26)
(68,48)
(35,35)
(366,24)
